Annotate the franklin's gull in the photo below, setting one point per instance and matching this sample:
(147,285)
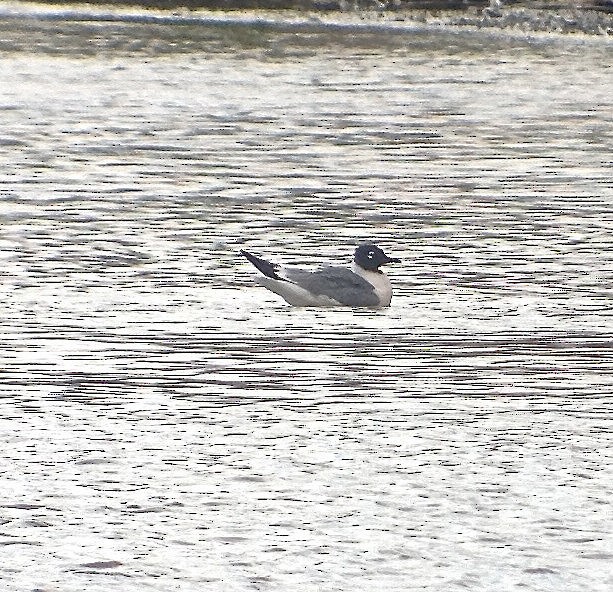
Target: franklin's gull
(362,285)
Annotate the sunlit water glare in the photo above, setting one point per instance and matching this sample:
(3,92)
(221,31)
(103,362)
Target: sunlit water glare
(169,425)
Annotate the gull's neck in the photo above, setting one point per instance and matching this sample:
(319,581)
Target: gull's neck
(365,273)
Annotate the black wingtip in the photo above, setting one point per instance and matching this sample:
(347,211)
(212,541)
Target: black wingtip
(267,268)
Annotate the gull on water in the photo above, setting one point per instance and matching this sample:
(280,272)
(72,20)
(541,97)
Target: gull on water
(362,285)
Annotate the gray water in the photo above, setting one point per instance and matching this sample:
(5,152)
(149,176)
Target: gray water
(166,424)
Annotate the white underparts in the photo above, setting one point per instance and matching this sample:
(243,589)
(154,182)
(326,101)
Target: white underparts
(295,295)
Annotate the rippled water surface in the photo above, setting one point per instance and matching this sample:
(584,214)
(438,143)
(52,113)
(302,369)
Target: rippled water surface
(166,424)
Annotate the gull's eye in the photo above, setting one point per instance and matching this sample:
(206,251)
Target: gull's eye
(371,254)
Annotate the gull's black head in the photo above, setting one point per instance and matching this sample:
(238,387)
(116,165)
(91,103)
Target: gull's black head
(370,257)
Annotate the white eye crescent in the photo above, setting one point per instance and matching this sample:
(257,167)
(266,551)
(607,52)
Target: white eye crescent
(371,254)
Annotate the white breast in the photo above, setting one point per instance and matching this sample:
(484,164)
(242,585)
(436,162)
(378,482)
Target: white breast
(380,282)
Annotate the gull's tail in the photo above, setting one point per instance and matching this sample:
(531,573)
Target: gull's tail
(267,268)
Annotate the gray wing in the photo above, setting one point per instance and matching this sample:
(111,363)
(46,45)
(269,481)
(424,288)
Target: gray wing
(339,283)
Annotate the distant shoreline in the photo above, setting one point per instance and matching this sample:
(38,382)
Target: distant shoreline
(590,17)
(403,6)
